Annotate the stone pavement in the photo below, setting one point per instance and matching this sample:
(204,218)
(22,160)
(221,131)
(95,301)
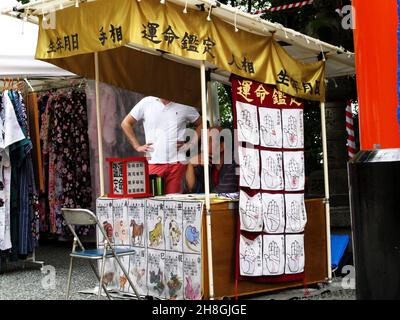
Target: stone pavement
(19,283)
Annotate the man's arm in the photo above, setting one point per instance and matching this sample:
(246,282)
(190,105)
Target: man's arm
(128,125)
(198,126)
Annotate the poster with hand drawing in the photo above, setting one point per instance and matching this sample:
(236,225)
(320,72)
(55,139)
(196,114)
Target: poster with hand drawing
(155,224)
(250,256)
(192,219)
(271,171)
(270,127)
(294,170)
(173,212)
(247,123)
(251,215)
(294,253)
(192,276)
(296,216)
(121,227)
(138,271)
(174,275)
(273,255)
(136,220)
(249,160)
(104,212)
(273,213)
(155,273)
(293,128)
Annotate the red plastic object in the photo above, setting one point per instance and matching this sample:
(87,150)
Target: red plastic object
(129,178)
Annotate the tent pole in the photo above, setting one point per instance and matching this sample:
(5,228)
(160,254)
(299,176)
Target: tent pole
(327,194)
(206,178)
(99,123)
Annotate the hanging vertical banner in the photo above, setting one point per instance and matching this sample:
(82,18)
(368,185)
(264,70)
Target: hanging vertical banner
(377,67)
(270,128)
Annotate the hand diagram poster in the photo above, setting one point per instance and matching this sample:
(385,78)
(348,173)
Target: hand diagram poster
(294,254)
(251,215)
(121,228)
(138,271)
(294,170)
(270,127)
(273,213)
(174,275)
(173,226)
(104,211)
(136,221)
(273,255)
(155,273)
(249,160)
(293,128)
(296,217)
(247,123)
(271,171)
(192,276)
(155,224)
(251,256)
(274,169)
(192,214)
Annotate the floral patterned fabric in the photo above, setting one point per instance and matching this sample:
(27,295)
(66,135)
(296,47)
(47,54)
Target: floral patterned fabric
(65,149)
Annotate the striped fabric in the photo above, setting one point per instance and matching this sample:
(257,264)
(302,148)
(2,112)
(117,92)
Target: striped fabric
(286,6)
(351,141)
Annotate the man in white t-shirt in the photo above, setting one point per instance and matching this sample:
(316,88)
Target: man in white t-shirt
(164,126)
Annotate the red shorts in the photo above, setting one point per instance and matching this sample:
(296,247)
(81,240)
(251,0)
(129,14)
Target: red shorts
(172,173)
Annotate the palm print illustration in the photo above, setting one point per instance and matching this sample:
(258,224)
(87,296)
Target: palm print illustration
(273,258)
(248,260)
(294,171)
(291,131)
(273,219)
(272,177)
(268,131)
(248,170)
(294,257)
(250,215)
(294,216)
(246,124)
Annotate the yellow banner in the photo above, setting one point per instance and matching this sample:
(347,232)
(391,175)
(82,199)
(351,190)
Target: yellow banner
(104,25)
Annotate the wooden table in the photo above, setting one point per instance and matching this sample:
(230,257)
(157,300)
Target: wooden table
(223,227)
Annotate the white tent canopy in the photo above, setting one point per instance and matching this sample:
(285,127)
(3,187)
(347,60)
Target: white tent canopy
(17,52)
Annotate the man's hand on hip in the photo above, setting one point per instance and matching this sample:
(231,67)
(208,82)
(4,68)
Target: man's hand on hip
(145,148)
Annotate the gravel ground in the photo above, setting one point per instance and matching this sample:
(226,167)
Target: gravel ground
(19,283)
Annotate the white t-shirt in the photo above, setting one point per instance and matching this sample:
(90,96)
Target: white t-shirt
(164,125)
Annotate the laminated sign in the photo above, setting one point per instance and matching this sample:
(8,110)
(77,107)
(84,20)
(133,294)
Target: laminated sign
(270,131)
(166,239)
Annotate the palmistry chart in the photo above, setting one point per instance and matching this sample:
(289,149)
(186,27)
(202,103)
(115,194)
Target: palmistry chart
(166,237)
(270,129)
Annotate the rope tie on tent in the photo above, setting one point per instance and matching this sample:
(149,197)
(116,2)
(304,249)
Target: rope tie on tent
(322,52)
(235,19)
(209,13)
(185,9)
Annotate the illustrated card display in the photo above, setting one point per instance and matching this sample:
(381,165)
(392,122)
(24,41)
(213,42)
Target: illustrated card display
(251,256)
(251,212)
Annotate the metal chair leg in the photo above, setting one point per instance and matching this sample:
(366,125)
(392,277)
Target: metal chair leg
(103,263)
(98,279)
(126,275)
(71,261)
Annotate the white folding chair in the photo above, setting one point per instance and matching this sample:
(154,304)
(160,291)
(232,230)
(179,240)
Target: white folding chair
(83,217)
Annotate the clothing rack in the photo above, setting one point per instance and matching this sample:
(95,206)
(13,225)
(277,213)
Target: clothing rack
(46,84)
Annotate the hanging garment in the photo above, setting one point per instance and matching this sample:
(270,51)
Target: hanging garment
(23,185)
(65,156)
(10,133)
